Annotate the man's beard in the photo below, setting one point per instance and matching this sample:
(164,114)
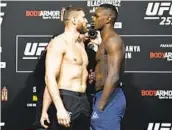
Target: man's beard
(82,29)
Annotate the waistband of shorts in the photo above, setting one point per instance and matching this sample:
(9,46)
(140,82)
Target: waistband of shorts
(72,93)
(99,90)
(118,86)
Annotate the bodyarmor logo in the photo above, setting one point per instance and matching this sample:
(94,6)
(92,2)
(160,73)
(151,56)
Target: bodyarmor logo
(161,94)
(159,126)
(168,56)
(34,50)
(2,13)
(161,55)
(45,14)
(162,11)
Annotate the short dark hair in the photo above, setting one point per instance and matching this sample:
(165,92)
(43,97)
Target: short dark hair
(112,8)
(68,11)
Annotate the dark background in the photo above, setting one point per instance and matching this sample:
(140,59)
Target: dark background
(142,73)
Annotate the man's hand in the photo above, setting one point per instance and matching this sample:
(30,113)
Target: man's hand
(101,106)
(44,117)
(63,117)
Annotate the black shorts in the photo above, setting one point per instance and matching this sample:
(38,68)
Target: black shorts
(78,106)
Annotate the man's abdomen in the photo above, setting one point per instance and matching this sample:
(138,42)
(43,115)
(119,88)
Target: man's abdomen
(101,75)
(71,78)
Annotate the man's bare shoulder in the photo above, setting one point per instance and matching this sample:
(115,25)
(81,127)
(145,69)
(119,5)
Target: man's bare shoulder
(114,39)
(57,43)
(114,42)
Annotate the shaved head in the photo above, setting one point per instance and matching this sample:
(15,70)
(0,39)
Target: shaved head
(111,11)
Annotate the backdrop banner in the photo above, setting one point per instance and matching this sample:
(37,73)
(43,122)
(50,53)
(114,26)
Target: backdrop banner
(146,28)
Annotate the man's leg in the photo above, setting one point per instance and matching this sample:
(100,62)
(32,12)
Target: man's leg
(111,117)
(81,123)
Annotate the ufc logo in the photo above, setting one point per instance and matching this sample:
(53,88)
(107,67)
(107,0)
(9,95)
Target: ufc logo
(159,126)
(2,13)
(154,9)
(34,50)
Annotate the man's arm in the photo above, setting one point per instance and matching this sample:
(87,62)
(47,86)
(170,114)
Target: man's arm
(115,53)
(55,52)
(46,100)
(46,103)
(85,72)
(84,76)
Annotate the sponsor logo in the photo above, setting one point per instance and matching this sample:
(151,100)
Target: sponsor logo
(165,45)
(45,14)
(95,116)
(118,25)
(33,50)
(4,94)
(161,55)
(161,11)
(29,49)
(130,50)
(34,98)
(93,4)
(2,13)
(96,3)
(159,126)
(31,104)
(161,94)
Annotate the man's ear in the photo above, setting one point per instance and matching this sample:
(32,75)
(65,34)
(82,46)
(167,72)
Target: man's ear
(108,20)
(74,21)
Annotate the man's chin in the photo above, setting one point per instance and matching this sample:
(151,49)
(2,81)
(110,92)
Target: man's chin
(83,32)
(96,28)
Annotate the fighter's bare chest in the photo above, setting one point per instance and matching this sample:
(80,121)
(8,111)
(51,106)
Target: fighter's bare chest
(101,55)
(76,54)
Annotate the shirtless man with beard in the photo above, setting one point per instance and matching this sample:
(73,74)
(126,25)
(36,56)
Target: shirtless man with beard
(66,75)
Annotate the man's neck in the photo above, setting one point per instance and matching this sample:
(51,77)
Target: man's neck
(71,34)
(106,31)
